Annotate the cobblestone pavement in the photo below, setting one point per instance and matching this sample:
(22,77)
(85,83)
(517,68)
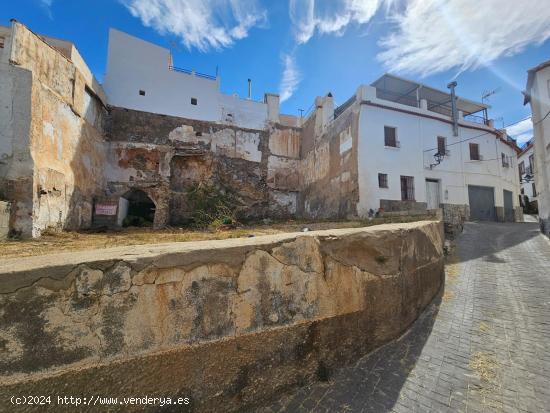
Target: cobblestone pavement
(482,345)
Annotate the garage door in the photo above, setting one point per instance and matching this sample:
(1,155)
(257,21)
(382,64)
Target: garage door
(482,203)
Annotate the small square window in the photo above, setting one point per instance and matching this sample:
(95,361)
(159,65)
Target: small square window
(194,101)
(142,92)
(382,180)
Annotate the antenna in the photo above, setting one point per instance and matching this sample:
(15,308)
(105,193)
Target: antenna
(487,93)
(501,119)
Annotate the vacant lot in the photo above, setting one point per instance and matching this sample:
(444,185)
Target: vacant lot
(52,242)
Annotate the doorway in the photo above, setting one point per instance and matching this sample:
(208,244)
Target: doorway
(433,197)
(141,209)
(508,206)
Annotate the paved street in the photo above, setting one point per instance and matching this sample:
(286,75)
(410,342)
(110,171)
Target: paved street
(483,345)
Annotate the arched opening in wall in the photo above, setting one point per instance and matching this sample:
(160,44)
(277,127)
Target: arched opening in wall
(141,209)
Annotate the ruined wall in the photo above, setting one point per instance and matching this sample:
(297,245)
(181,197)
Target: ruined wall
(228,323)
(16,168)
(329,166)
(59,147)
(166,156)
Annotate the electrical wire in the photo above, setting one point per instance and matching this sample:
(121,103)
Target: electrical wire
(485,133)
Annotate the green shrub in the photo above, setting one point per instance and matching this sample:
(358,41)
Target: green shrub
(212,206)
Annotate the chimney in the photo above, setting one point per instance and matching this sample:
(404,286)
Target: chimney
(454,114)
(249,89)
(272,102)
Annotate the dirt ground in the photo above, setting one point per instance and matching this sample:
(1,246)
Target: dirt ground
(53,242)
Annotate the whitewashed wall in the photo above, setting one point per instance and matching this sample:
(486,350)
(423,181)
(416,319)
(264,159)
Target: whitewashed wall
(134,65)
(540,107)
(527,186)
(244,113)
(417,134)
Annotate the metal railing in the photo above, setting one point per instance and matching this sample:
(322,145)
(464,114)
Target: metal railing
(340,109)
(191,72)
(476,119)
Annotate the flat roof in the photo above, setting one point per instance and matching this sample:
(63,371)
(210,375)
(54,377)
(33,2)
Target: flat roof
(401,89)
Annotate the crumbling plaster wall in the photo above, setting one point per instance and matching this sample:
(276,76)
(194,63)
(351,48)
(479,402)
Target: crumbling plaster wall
(57,145)
(329,165)
(227,323)
(165,156)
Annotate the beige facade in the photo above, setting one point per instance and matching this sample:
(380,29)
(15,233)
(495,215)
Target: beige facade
(51,111)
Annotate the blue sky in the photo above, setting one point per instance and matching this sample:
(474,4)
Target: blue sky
(305,48)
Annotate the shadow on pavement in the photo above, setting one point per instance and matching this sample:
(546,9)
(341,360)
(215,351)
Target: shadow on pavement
(501,236)
(374,383)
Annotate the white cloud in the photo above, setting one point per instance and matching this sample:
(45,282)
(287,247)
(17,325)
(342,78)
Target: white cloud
(521,131)
(430,36)
(291,78)
(203,24)
(438,35)
(328,16)
(47,6)
(523,139)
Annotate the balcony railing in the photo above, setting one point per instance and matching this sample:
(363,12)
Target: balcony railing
(476,119)
(191,72)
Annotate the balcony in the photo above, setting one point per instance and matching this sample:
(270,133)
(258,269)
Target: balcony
(413,94)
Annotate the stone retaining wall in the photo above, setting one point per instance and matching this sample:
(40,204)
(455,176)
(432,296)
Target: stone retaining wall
(227,323)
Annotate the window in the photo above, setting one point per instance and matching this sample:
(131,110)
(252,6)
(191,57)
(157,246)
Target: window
(522,191)
(142,92)
(474,152)
(505,162)
(521,168)
(407,188)
(534,190)
(1,42)
(194,101)
(532,163)
(441,145)
(390,136)
(382,180)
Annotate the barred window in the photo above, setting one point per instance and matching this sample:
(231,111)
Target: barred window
(382,180)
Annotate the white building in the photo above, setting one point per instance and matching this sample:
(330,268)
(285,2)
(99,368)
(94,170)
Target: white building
(401,137)
(404,124)
(398,128)
(526,167)
(141,76)
(537,92)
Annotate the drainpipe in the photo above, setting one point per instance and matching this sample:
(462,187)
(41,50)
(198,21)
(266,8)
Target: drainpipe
(452,86)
